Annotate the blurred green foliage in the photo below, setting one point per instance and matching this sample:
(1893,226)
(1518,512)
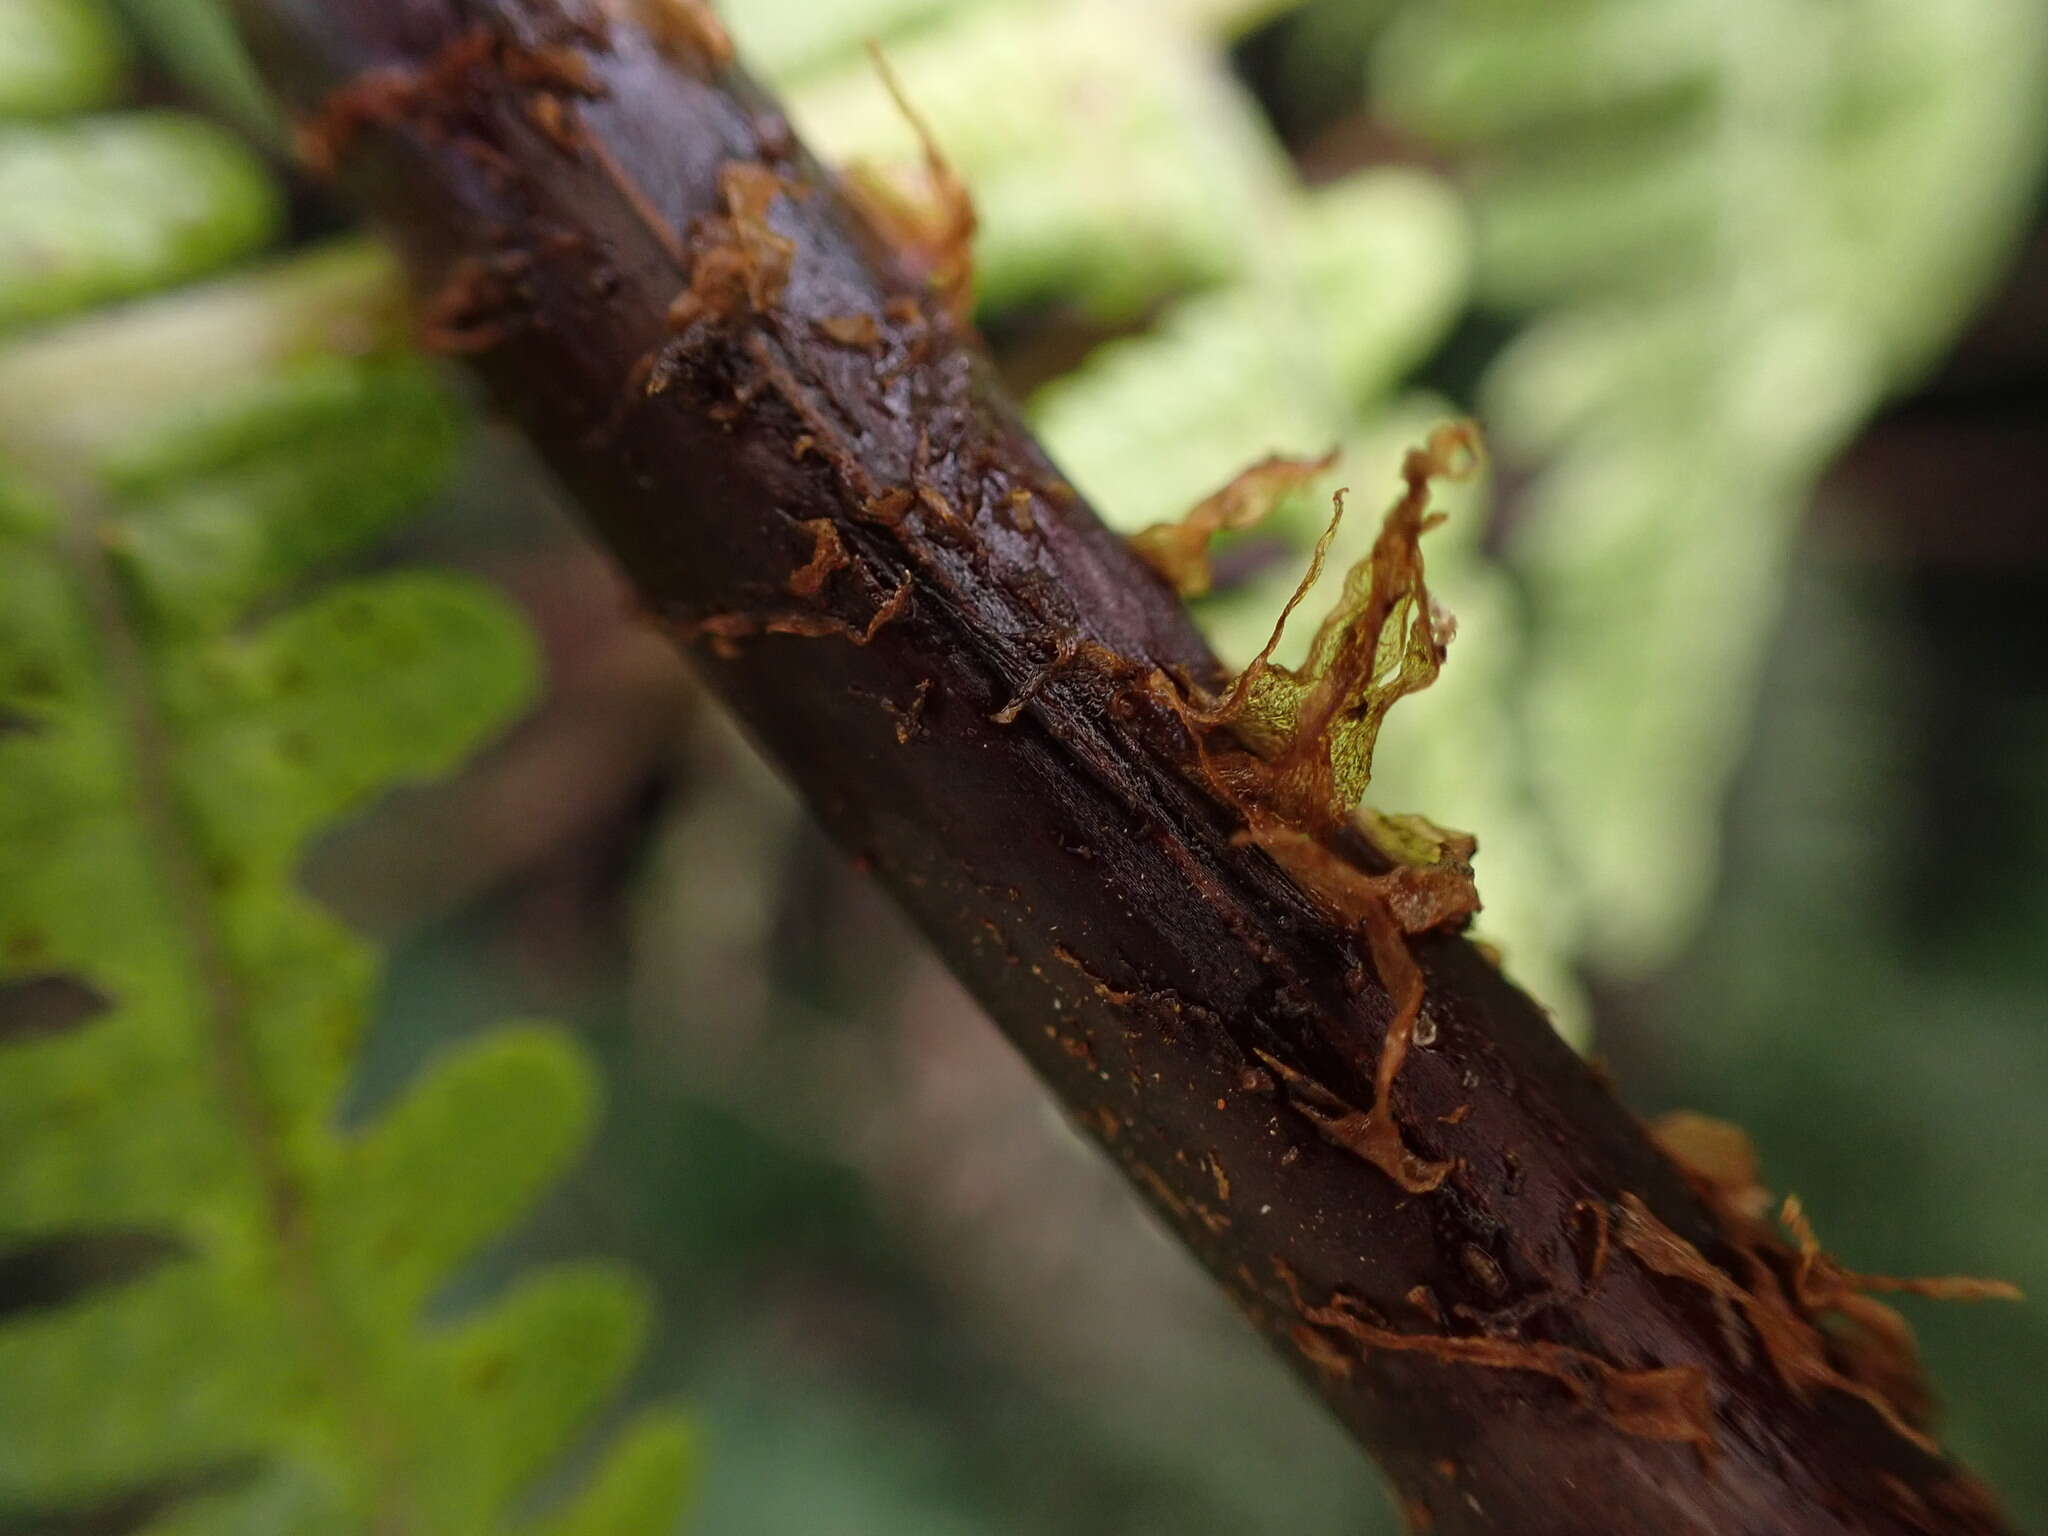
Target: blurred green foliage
(106,206)
(181,709)
(60,57)
(1735,230)
(1025,99)
(1867,1008)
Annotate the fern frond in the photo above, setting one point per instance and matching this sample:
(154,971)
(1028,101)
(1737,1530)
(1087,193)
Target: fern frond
(107,206)
(1738,228)
(58,56)
(1358,282)
(182,707)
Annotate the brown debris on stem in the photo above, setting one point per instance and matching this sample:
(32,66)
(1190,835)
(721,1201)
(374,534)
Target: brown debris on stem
(861,330)
(828,554)
(1311,729)
(436,89)
(1718,1158)
(726,630)
(1672,1403)
(689,31)
(932,228)
(741,262)
(473,309)
(1821,1281)
(1179,550)
(1295,753)
(1791,1290)
(1794,1346)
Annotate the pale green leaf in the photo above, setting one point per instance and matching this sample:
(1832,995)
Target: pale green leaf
(57,56)
(640,1485)
(182,710)
(1362,279)
(106,207)
(1111,155)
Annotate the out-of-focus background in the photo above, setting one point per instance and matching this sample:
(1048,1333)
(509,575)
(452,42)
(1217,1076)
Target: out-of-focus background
(1748,706)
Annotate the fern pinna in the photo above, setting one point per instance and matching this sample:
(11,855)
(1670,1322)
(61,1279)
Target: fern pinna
(237,1344)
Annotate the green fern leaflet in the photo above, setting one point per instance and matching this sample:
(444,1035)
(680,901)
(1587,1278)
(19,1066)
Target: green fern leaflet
(181,709)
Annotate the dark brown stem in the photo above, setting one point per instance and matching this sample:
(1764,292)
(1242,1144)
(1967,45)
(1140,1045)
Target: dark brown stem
(803,464)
